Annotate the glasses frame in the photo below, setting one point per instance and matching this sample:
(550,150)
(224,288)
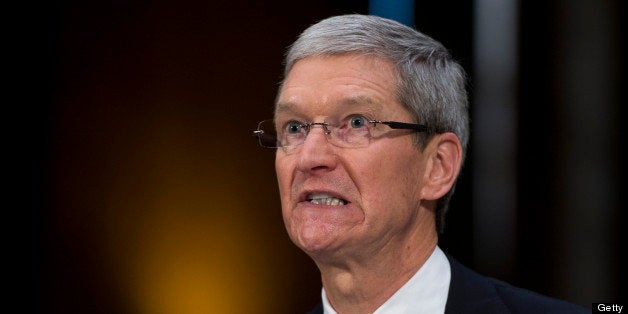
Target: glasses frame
(419,128)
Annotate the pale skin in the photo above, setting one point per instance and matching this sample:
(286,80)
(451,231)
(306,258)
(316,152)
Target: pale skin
(367,247)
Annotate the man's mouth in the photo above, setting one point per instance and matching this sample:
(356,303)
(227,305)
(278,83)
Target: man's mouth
(325,199)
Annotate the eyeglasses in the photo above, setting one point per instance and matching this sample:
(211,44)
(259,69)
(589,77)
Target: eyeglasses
(352,132)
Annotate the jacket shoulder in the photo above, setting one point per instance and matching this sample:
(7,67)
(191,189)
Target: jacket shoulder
(470,292)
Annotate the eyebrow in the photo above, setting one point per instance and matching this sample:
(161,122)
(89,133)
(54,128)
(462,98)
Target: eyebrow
(370,104)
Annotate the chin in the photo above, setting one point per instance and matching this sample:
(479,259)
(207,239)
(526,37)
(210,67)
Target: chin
(316,241)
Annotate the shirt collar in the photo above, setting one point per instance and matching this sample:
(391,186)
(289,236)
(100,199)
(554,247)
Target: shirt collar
(425,292)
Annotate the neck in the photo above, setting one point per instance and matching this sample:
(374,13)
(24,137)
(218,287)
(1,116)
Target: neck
(363,284)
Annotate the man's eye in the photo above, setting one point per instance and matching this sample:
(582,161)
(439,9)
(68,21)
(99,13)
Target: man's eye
(357,122)
(294,127)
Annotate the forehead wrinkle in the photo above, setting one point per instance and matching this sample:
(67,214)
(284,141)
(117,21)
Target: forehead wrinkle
(361,100)
(369,103)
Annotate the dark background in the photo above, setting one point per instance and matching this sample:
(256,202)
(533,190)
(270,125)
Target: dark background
(146,194)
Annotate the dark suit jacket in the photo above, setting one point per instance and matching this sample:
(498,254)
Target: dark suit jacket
(470,292)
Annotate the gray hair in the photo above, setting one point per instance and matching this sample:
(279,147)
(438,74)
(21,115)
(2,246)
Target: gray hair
(431,85)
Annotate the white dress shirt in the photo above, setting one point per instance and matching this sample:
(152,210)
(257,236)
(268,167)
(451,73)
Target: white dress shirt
(425,292)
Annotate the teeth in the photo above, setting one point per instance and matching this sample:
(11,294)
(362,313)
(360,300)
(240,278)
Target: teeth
(324,199)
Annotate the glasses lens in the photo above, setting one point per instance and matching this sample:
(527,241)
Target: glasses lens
(266,134)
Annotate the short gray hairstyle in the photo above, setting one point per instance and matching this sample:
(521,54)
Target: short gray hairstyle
(431,85)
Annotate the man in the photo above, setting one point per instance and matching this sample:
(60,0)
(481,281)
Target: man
(371,129)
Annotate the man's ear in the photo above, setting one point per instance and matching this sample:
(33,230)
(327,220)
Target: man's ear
(444,159)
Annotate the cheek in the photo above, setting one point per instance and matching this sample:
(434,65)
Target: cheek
(390,181)
(281,165)
(284,172)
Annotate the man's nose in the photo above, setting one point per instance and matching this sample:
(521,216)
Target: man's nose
(317,152)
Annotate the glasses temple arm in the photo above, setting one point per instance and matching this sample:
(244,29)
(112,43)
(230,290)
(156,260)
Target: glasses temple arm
(406,126)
